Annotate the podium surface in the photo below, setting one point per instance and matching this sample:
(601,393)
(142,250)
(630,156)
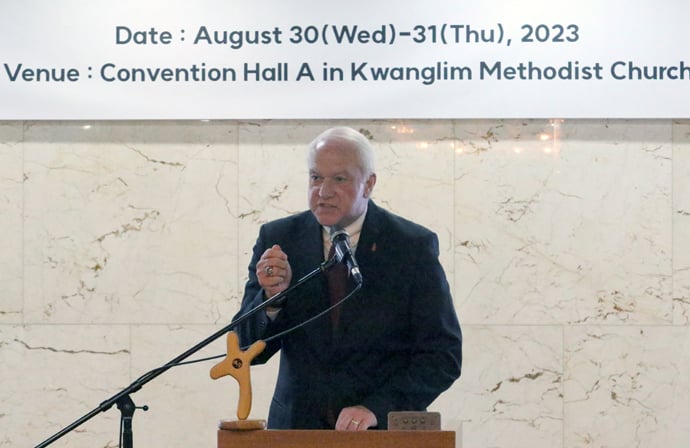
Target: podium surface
(335,439)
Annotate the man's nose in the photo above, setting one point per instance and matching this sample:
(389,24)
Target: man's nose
(326,189)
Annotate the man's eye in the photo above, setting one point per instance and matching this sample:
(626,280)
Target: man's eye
(340,179)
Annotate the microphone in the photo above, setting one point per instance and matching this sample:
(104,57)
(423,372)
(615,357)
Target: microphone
(341,242)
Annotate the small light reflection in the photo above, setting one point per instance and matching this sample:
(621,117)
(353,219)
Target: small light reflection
(517,150)
(556,147)
(402,129)
(423,145)
(86,127)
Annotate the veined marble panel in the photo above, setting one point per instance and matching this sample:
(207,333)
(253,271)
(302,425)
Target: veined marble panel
(53,375)
(564,222)
(11,241)
(130,222)
(627,386)
(681,222)
(567,242)
(510,392)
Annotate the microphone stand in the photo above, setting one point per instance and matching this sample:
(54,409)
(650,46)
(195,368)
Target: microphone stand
(124,401)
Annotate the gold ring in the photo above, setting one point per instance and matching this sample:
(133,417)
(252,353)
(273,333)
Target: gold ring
(268,270)
(355,422)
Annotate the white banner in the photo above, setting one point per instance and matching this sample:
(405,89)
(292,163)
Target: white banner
(312,59)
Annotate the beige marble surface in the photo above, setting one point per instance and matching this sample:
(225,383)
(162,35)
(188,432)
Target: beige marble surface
(681,223)
(11,237)
(566,243)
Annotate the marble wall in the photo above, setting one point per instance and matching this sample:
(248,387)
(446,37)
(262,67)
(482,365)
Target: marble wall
(567,245)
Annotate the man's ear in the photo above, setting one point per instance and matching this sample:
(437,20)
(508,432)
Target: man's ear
(369,185)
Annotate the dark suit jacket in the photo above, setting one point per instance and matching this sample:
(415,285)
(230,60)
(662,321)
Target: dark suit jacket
(398,344)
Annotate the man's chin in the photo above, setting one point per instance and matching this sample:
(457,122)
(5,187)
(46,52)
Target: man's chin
(327,219)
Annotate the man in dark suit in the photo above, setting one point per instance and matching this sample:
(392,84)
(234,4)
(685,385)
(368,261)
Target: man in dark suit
(394,346)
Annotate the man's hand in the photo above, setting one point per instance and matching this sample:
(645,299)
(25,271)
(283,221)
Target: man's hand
(355,418)
(273,271)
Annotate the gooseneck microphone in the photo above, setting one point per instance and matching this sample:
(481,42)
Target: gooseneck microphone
(341,242)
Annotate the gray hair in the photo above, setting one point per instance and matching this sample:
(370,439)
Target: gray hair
(354,139)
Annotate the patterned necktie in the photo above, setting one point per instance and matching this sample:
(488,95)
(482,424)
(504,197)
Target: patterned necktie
(337,286)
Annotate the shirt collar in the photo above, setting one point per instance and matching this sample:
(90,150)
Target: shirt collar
(353,230)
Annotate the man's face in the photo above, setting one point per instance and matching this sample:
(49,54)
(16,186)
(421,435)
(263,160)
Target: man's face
(338,191)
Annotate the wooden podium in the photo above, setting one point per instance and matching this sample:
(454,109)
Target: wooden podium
(237,363)
(268,438)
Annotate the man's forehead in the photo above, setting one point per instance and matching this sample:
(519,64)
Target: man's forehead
(313,170)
